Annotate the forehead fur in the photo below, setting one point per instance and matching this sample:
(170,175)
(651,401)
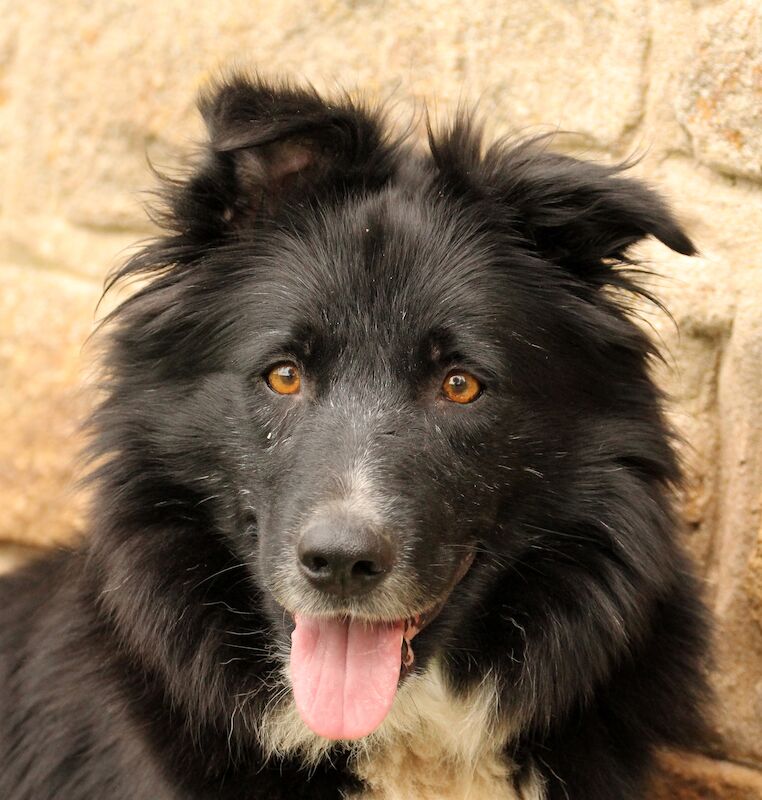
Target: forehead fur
(416,255)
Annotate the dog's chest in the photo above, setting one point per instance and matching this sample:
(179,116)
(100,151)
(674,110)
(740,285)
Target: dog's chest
(435,746)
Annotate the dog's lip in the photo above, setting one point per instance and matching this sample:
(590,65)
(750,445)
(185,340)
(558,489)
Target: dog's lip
(419,620)
(416,623)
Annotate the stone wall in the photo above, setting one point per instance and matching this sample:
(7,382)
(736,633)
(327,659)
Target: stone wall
(87,90)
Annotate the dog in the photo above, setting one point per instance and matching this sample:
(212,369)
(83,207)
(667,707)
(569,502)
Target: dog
(384,490)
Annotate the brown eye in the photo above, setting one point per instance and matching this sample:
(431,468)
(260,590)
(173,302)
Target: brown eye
(461,387)
(284,378)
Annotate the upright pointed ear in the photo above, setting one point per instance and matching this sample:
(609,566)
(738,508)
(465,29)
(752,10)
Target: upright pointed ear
(271,145)
(580,215)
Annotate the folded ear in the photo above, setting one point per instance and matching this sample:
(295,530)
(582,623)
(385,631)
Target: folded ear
(579,215)
(270,145)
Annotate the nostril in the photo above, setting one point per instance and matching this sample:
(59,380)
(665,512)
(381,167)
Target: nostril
(366,569)
(315,565)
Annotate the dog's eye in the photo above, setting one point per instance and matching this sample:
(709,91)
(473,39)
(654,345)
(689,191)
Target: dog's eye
(461,387)
(284,378)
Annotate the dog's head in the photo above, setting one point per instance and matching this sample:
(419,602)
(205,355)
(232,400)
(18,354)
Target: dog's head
(372,374)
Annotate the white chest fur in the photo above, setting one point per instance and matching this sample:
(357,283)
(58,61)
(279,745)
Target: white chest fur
(434,745)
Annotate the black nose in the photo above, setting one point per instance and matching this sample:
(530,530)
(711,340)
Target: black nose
(343,558)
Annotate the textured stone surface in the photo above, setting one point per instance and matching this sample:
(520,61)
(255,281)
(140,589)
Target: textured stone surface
(45,321)
(689,777)
(720,101)
(677,80)
(12,556)
(737,541)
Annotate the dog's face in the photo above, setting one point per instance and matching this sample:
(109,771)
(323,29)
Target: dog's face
(378,395)
(368,368)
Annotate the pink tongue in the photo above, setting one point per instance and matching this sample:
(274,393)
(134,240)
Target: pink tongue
(344,674)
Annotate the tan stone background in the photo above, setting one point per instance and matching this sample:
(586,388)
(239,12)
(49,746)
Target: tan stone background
(87,90)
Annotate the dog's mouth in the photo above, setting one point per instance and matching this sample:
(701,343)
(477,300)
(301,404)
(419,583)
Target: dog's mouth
(345,671)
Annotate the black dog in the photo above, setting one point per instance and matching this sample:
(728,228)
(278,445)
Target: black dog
(384,488)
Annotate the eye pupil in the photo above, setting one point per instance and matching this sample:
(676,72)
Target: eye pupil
(284,379)
(461,387)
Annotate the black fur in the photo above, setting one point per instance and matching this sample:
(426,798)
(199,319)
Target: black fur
(138,665)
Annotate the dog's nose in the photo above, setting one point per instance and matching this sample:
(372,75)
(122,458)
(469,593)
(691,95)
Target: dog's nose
(344,558)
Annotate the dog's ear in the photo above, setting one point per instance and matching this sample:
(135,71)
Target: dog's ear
(270,145)
(580,215)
